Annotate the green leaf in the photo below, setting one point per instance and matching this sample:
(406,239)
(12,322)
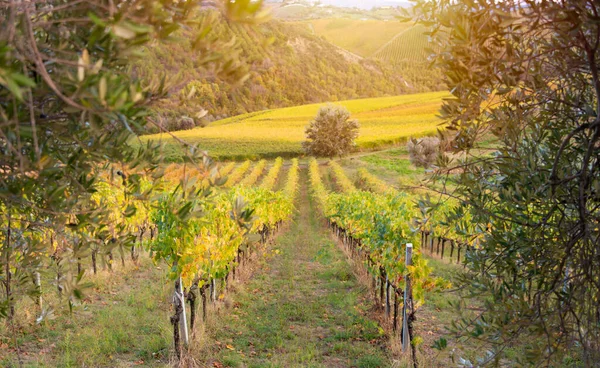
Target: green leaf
(440,344)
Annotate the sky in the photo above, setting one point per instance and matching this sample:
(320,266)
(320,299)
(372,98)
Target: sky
(365,4)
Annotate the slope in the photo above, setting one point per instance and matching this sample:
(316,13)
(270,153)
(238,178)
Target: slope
(402,46)
(409,45)
(273,133)
(287,66)
(362,37)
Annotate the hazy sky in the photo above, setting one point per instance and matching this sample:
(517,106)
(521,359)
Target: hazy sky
(366,4)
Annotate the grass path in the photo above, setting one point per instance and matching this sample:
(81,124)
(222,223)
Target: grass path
(303,308)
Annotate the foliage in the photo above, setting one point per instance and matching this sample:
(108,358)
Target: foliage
(73,183)
(269,180)
(341,179)
(291,185)
(373,183)
(237,174)
(201,248)
(423,152)
(273,133)
(317,188)
(66,107)
(283,71)
(331,132)
(532,81)
(225,170)
(383,225)
(252,178)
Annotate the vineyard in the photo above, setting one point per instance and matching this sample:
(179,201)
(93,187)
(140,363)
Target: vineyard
(362,37)
(409,45)
(403,45)
(376,229)
(206,257)
(390,41)
(339,183)
(268,134)
(202,254)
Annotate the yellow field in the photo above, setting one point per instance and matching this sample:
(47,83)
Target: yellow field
(280,132)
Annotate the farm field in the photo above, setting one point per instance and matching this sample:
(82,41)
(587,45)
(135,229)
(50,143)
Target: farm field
(408,45)
(391,41)
(302,183)
(295,305)
(362,37)
(383,121)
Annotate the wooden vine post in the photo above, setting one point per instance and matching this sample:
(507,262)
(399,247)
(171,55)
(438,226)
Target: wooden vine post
(179,318)
(408,309)
(407,300)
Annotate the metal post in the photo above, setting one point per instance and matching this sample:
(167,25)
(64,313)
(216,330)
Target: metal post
(407,301)
(183,321)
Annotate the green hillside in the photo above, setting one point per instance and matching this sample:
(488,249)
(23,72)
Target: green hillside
(280,132)
(398,45)
(283,71)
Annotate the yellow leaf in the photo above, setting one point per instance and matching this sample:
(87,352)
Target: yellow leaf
(192,92)
(102,89)
(123,32)
(97,66)
(85,57)
(80,69)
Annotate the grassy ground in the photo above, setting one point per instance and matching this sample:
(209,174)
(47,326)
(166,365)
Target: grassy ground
(304,308)
(124,322)
(392,166)
(383,121)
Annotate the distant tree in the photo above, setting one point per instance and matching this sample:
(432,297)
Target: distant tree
(331,132)
(424,151)
(185,123)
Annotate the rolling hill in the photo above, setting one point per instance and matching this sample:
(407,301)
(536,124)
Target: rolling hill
(391,41)
(288,66)
(400,45)
(362,37)
(273,133)
(409,45)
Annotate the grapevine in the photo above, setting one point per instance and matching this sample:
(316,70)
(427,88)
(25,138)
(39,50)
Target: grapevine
(237,174)
(373,183)
(269,180)
(381,223)
(225,170)
(254,174)
(291,186)
(341,179)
